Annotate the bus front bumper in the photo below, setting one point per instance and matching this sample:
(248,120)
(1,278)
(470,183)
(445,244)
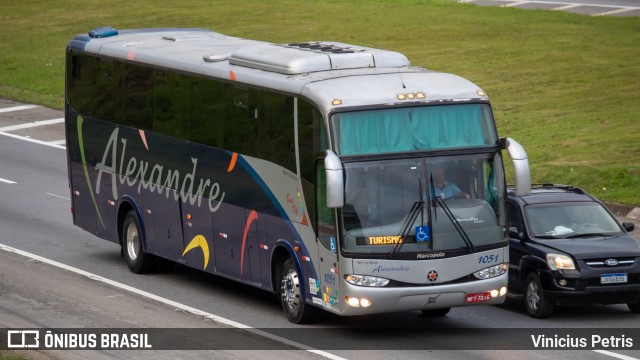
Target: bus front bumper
(358,300)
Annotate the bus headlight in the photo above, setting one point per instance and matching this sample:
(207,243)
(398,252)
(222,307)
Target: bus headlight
(560,262)
(365,280)
(491,272)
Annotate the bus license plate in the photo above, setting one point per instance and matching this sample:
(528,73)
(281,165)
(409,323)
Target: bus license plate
(478,297)
(613,278)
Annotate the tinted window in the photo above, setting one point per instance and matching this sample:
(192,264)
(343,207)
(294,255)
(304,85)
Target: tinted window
(245,120)
(514,217)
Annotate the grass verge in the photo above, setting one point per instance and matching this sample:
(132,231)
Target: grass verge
(566,86)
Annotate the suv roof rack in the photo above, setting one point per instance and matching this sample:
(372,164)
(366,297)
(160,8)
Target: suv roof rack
(570,188)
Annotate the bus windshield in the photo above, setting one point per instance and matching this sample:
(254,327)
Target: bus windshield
(415,128)
(460,204)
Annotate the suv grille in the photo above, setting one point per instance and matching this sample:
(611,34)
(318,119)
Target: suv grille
(610,262)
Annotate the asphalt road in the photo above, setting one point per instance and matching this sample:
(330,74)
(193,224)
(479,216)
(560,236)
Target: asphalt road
(618,8)
(35,218)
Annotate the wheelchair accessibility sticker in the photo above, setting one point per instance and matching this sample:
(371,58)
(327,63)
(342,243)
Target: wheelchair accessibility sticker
(422,234)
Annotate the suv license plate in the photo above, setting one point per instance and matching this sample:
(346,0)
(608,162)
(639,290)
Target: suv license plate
(613,278)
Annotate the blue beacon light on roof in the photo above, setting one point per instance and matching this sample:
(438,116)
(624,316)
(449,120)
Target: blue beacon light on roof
(102,32)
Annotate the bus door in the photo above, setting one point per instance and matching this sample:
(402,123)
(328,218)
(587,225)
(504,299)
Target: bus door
(197,239)
(230,243)
(255,228)
(329,270)
(161,216)
(83,207)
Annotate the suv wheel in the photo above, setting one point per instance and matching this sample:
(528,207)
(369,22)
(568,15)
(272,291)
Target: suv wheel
(538,306)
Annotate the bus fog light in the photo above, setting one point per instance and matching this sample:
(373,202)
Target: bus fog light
(492,271)
(365,302)
(503,291)
(352,301)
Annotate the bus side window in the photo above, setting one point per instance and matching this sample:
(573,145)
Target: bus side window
(311,141)
(211,103)
(136,96)
(172,104)
(325,218)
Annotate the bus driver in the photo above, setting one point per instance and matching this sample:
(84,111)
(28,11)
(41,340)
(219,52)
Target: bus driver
(444,188)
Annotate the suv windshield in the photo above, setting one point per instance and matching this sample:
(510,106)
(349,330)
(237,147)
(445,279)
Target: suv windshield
(435,204)
(569,219)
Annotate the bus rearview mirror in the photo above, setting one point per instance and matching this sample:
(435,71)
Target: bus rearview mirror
(335,180)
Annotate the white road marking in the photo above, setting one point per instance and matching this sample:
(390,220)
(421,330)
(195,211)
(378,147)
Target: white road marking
(7,181)
(31,124)
(615,11)
(216,318)
(17,108)
(31,140)
(58,142)
(58,196)
(566,7)
(517,3)
(615,355)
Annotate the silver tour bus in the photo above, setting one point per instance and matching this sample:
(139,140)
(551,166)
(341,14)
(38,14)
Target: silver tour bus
(336,176)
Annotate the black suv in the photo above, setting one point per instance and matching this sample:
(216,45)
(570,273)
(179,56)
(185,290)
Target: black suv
(566,248)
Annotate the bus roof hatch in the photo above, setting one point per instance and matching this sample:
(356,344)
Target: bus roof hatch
(299,58)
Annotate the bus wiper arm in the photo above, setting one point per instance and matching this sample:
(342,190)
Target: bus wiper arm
(406,226)
(456,224)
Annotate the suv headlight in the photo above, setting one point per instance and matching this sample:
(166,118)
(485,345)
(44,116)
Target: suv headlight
(560,262)
(364,280)
(492,271)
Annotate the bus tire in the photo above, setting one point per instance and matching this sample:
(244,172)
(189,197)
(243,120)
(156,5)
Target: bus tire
(137,261)
(296,310)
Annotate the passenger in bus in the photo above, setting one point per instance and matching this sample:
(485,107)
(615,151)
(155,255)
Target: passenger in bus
(444,188)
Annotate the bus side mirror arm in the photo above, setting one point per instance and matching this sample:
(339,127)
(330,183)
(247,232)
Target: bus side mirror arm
(520,164)
(335,180)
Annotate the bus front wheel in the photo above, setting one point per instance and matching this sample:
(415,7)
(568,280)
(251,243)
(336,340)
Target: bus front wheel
(293,304)
(137,261)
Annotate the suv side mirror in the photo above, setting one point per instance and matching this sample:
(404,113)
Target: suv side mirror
(514,233)
(629,226)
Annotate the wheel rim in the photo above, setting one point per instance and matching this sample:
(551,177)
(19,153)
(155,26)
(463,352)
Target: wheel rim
(290,289)
(133,243)
(533,297)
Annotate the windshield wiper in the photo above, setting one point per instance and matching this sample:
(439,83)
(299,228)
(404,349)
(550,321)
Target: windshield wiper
(406,226)
(456,224)
(546,237)
(584,235)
